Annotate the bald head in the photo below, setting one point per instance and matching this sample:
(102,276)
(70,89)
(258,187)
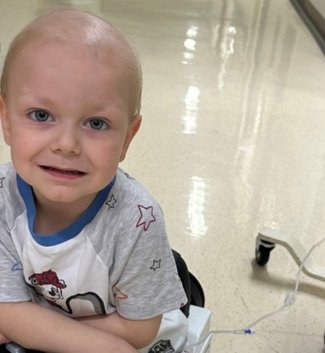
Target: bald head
(77,28)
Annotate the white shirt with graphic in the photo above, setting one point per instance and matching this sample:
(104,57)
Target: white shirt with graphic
(114,258)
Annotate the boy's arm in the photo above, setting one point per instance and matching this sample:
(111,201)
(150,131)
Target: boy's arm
(3,339)
(33,326)
(139,333)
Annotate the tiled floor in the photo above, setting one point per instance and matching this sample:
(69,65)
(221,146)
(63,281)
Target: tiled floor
(233,139)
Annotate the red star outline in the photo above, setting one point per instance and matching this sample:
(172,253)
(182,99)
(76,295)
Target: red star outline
(119,294)
(145,215)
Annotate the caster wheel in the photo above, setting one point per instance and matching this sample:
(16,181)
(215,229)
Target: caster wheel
(262,252)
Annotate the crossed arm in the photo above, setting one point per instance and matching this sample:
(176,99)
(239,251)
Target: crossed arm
(36,327)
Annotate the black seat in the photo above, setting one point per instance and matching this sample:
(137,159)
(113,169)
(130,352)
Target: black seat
(191,285)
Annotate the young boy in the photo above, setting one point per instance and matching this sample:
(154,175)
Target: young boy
(85,264)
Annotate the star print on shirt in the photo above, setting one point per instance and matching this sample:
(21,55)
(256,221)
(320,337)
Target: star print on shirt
(111,202)
(1,182)
(155,265)
(146,217)
(17,267)
(119,294)
(128,176)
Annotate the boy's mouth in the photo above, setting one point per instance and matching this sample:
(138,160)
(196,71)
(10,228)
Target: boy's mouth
(62,171)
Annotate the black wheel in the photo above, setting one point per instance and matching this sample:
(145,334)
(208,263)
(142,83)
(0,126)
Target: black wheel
(262,253)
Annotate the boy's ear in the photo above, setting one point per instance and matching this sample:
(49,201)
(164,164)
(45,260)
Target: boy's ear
(133,129)
(4,120)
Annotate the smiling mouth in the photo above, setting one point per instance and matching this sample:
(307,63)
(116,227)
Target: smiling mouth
(62,171)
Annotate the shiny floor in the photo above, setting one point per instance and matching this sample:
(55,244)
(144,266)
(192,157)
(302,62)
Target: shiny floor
(233,139)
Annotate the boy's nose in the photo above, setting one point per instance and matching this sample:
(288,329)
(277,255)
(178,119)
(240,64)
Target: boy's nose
(66,141)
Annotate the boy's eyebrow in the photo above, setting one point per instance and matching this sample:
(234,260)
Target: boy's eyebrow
(39,100)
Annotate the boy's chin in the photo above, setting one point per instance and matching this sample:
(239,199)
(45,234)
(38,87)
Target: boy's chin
(64,197)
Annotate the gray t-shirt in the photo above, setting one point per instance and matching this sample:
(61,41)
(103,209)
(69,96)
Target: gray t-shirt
(115,257)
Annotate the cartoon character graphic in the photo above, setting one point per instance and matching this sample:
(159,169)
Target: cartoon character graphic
(48,285)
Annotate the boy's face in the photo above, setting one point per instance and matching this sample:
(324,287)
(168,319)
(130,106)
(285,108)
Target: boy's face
(66,117)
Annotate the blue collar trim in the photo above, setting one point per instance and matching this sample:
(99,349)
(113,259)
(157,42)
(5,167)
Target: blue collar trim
(26,192)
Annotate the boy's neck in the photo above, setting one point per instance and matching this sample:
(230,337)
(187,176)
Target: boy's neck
(52,217)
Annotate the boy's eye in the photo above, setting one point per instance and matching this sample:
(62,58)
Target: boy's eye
(39,115)
(97,124)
